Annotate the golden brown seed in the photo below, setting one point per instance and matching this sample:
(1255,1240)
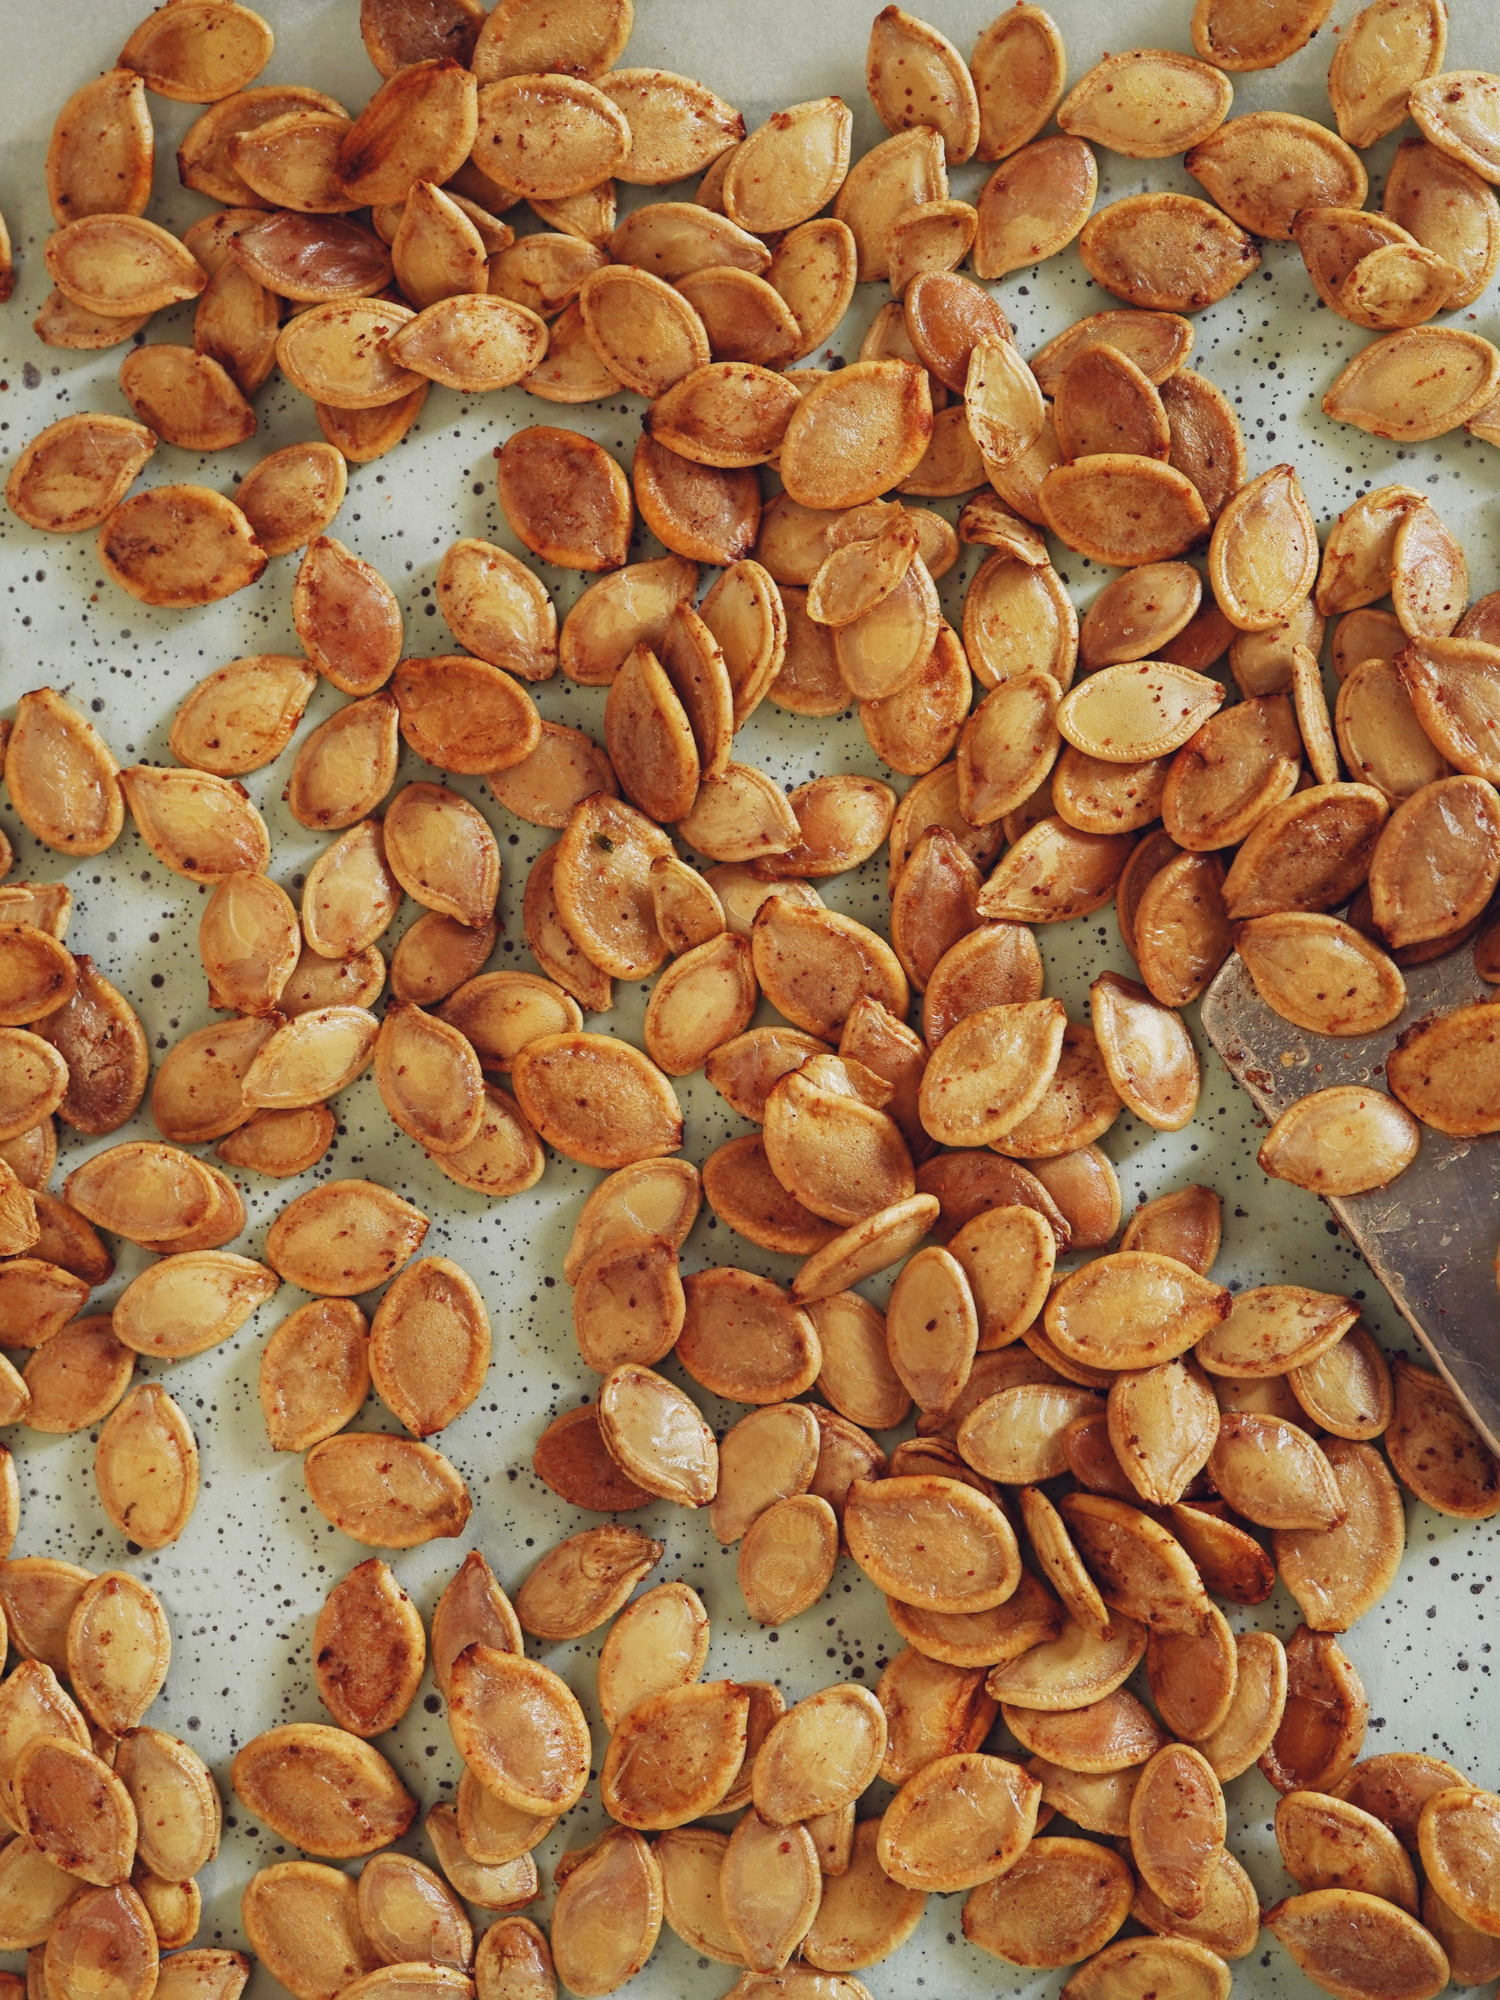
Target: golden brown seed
(565,498)
(899,173)
(1264,168)
(1016,1436)
(1395,1788)
(439,955)
(1147,104)
(1177,1825)
(675,1754)
(565,768)
(62,780)
(438,250)
(1162,1424)
(1334,241)
(863,1914)
(961,1821)
(363,435)
(100,156)
(1133,1309)
(657,1437)
(146,1467)
(344,1237)
(302,1920)
(1139,613)
(74,1381)
(1348,1390)
(1379,734)
(1415,384)
(1018,67)
(1034,205)
(1141,1569)
(1274,1474)
(491,1832)
(75,473)
(37,1299)
(473,1610)
(337,354)
(519,1729)
(729,414)
(856,435)
(745,1339)
(659,1642)
(628,1305)
(932,1327)
(1062,1901)
(429,1079)
(571,1458)
(350,1803)
(1177,1964)
(1457,1834)
(1307,853)
(1100,1738)
(1341,1141)
(505,1158)
(584,1581)
(991,1070)
(608,1914)
(496,608)
(369,1650)
(1169,251)
(387,1492)
(1263,557)
(1439,1072)
(190,1302)
(1321,975)
(37,975)
(177,1805)
(894,1527)
(314,1373)
(1106,403)
(787,1557)
(409,1912)
(1447,208)
(347,618)
(1123,509)
(908,60)
(197,824)
(1435,1450)
(1452,821)
(60,323)
(1347,1941)
(1228,1923)
(1194,1677)
(1470,1952)
(1429,578)
(429,1345)
(768,1456)
(596,1100)
(1255,1713)
(1337,1573)
(118,1648)
(243,716)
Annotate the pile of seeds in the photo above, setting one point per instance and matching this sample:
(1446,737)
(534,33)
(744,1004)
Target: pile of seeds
(112,1820)
(1145,1420)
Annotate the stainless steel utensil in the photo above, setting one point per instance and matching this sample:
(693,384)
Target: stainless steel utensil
(1431,1237)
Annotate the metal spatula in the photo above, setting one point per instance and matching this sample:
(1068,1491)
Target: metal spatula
(1430,1237)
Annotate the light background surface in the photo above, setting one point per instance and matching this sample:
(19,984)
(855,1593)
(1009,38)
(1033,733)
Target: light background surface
(243,1586)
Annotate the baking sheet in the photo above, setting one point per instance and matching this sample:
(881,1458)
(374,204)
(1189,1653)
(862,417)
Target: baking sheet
(243,1586)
